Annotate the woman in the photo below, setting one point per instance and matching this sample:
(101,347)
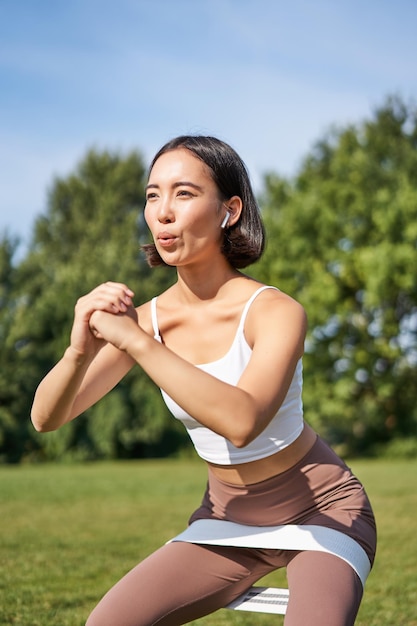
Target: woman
(226,352)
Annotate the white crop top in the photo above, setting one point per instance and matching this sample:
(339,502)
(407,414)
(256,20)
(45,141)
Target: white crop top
(282,430)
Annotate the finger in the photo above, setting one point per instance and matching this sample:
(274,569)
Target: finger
(95,332)
(94,322)
(110,297)
(122,290)
(118,295)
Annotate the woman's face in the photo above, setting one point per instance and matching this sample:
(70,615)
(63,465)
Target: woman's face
(184,209)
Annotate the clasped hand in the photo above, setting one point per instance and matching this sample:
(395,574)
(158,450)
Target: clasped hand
(106,314)
(115,328)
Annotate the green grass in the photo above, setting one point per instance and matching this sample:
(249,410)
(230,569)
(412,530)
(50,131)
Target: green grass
(68,532)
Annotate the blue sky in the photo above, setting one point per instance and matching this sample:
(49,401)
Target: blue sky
(268,76)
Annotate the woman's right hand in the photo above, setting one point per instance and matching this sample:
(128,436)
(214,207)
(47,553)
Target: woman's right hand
(111,297)
(63,393)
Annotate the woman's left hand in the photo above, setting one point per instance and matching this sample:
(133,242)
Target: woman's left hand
(115,328)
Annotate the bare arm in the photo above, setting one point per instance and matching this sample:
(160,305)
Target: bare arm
(277,327)
(67,390)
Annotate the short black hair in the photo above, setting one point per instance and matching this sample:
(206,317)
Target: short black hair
(243,242)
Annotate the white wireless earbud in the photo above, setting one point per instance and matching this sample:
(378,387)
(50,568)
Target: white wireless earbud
(225,220)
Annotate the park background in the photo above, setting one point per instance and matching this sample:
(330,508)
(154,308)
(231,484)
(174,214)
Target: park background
(320,101)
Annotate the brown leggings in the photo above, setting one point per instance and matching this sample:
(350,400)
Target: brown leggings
(182,582)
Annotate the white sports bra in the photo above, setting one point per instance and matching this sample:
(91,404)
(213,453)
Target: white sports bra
(282,430)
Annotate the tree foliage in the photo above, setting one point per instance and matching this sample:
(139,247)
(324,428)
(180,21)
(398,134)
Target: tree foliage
(14,376)
(89,234)
(343,240)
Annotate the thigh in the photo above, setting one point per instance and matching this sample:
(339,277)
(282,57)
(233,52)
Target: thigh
(324,591)
(178,583)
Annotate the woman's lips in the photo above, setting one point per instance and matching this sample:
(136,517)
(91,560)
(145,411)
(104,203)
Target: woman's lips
(166,239)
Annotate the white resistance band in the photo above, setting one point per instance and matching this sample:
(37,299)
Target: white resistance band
(288,537)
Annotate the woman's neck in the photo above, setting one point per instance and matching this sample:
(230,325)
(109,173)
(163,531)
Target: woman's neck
(198,283)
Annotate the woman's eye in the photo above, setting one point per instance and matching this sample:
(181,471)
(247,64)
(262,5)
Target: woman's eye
(150,196)
(184,192)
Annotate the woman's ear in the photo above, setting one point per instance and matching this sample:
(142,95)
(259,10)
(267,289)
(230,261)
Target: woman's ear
(234,209)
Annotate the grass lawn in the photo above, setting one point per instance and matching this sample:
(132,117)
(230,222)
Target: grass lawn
(68,532)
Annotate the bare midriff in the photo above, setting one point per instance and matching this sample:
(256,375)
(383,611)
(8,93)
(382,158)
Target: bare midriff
(256,471)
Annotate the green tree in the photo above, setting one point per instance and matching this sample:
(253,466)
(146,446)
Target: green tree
(14,375)
(343,240)
(90,233)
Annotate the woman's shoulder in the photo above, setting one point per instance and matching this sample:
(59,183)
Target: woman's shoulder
(274,309)
(266,294)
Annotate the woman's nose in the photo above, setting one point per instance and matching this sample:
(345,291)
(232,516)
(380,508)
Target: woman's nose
(165,212)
